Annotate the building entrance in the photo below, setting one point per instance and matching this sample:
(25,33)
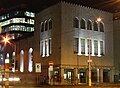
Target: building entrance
(106,75)
(68,75)
(82,75)
(94,75)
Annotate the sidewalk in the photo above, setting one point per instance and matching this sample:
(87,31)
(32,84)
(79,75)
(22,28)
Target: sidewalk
(70,86)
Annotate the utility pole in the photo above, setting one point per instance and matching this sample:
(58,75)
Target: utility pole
(89,62)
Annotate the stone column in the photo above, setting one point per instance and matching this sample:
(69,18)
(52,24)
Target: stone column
(18,65)
(111,75)
(26,60)
(98,75)
(87,75)
(75,76)
(101,75)
(62,76)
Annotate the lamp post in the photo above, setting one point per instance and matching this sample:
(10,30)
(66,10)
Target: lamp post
(89,57)
(6,40)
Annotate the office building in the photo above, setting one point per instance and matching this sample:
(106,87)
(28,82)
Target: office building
(66,35)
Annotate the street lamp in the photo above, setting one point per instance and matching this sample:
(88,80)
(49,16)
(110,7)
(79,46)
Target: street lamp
(6,39)
(89,57)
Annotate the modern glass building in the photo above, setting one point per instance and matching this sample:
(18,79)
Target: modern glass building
(17,23)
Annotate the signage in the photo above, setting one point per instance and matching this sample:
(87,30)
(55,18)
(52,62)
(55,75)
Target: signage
(50,68)
(38,67)
(89,61)
(51,63)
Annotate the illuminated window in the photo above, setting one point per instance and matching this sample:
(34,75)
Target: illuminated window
(41,48)
(95,26)
(21,61)
(82,24)
(76,41)
(89,25)
(30,62)
(45,47)
(30,14)
(31,21)
(82,46)
(101,48)
(49,46)
(95,47)
(76,23)
(101,27)
(13,62)
(27,13)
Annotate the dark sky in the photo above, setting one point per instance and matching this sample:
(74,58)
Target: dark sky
(108,5)
(34,4)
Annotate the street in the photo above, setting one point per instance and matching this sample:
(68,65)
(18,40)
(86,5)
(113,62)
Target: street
(69,86)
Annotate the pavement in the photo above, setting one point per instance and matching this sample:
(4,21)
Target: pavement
(69,86)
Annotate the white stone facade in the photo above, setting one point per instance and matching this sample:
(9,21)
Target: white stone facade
(72,67)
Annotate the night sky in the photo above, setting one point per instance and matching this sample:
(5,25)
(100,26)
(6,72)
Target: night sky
(108,5)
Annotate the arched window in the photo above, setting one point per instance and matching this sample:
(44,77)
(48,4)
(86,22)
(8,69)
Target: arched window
(89,25)
(101,27)
(82,24)
(46,25)
(30,60)
(21,61)
(13,62)
(76,23)
(42,27)
(95,26)
(50,24)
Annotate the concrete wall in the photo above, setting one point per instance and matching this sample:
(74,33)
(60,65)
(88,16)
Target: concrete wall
(69,12)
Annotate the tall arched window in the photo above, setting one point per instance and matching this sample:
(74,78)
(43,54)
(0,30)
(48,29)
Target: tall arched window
(76,23)
(30,60)
(82,24)
(46,25)
(95,26)
(101,27)
(50,24)
(21,61)
(89,25)
(13,62)
(42,27)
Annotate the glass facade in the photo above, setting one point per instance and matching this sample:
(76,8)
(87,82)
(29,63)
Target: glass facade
(17,21)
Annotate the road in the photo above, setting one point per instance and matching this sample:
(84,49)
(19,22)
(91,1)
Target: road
(70,86)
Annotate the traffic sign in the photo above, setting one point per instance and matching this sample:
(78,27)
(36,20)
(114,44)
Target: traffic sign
(51,63)
(89,61)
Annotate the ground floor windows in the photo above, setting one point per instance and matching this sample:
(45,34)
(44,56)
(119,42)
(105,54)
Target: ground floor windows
(80,75)
(106,75)
(68,75)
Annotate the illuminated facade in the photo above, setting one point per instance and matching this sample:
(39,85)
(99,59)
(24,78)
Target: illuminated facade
(64,36)
(66,44)
(17,22)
